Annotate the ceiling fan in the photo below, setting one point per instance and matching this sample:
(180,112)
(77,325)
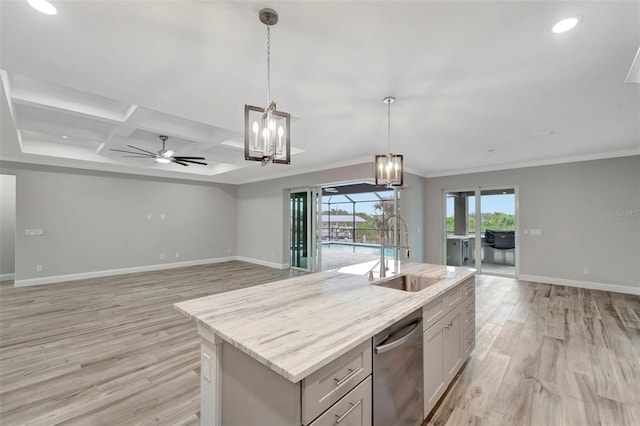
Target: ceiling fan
(164,156)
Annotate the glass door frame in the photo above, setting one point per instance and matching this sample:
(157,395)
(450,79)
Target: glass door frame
(313,217)
(477,253)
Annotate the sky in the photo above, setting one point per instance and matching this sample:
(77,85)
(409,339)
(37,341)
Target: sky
(489,204)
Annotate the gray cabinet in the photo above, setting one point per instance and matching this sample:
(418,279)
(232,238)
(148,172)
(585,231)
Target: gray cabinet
(352,410)
(442,356)
(329,384)
(457,250)
(339,392)
(447,341)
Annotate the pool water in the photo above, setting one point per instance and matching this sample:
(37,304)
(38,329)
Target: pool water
(371,249)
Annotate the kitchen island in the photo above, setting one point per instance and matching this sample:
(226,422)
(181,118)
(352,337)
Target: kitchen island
(285,335)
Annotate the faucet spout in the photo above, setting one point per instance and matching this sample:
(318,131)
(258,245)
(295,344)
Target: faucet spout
(383,231)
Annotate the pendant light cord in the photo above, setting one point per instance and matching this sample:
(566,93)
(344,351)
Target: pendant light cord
(268,66)
(389,127)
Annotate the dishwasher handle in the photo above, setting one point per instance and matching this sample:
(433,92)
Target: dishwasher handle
(414,328)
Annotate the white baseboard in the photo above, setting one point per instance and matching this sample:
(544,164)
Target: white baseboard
(582,284)
(107,273)
(7,277)
(263,262)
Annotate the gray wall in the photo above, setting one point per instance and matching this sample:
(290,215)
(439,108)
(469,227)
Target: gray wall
(97,221)
(7,224)
(589,214)
(263,211)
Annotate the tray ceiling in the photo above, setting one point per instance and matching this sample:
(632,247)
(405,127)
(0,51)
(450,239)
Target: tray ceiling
(479,85)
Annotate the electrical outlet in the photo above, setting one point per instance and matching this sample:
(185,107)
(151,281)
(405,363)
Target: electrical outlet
(149,216)
(162,257)
(39,268)
(177,255)
(228,250)
(31,232)
(162,216)
(585,271)
(40,232)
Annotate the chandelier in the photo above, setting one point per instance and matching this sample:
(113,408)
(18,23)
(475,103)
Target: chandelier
(267,130)
(389,170)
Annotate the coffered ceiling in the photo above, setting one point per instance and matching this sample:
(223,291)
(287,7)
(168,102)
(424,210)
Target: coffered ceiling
(479,85)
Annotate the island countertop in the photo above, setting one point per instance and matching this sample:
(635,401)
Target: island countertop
(297,325)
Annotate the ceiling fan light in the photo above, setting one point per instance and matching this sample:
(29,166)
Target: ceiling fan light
(167,153)
(162,160)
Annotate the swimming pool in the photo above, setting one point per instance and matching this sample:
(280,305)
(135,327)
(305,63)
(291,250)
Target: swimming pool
(364,249)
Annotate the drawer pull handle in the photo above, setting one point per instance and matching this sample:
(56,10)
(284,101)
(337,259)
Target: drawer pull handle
(352,372)
(353,407)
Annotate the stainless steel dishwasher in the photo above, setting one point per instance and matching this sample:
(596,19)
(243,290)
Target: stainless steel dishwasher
(397,373)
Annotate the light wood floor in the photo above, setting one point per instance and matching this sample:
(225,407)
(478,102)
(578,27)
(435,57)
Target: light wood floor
(548,355)
(109,351)
(113,351)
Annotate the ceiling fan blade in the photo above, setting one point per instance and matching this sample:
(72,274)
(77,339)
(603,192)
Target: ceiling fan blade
(136,156)
(143,150)
(194,162)
(133,152)
(179,157)
(179,162)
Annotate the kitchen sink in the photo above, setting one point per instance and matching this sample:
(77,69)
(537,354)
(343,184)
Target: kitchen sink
(408,282)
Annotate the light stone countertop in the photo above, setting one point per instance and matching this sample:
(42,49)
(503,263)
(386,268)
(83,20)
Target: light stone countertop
(298,325)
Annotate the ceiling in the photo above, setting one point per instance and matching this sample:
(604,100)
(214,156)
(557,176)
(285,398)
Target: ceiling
(479,85)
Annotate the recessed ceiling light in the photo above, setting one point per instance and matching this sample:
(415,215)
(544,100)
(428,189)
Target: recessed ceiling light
(564,25)
(43,6)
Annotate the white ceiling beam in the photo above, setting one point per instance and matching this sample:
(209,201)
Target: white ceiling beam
(134,117)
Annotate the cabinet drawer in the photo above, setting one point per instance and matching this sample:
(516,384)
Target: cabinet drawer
(353,410)
(452,298)
(322,389)
(469,339)
(434,310)
(468,312)
(469,287)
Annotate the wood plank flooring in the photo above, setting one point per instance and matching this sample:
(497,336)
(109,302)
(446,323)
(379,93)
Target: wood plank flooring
(114,351)
(548,355)
(111,350)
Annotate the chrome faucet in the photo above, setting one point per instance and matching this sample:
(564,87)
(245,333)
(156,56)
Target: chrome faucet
(385,228)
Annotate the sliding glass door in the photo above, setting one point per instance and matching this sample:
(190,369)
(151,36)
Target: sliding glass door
(481,229)
(498,231)
(304,208)
(460,227)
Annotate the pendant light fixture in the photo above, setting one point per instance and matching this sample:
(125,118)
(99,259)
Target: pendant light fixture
(389,170)
(267,130)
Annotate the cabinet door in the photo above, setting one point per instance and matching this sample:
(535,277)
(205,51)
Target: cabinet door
(433,365)
(442,356)
(451,347)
